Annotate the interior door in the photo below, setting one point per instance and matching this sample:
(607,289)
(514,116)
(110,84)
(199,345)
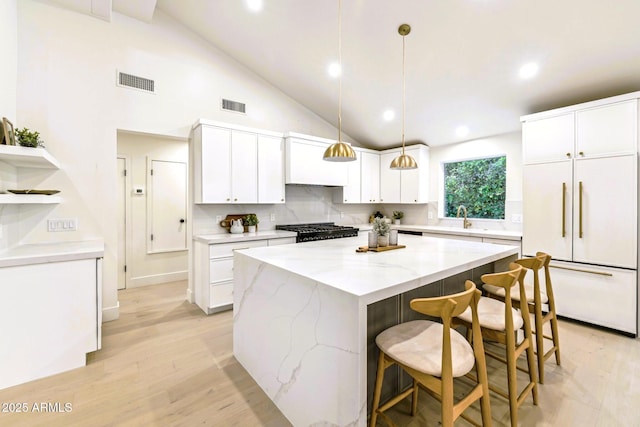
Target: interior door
(547,190)
(605,200)
(122,222)
(167,206)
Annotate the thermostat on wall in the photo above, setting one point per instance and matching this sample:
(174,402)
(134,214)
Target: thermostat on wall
(138,191)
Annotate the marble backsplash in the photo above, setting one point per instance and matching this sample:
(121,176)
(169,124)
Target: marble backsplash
(307,204)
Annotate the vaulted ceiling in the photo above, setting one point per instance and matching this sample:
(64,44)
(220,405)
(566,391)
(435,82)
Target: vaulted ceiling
(462,57)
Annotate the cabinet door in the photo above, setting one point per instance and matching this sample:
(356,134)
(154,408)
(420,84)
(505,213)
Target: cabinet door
(351,193)
(389,179)
(370,177)
(216,165)
(605,204)
(415,182)
(244,167)
(599,295)
(270,169)
(548,139)
(607,130)
(547,196)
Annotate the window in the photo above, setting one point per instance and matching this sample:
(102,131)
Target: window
(480,185)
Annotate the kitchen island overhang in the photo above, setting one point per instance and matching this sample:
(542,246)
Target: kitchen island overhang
(300,315)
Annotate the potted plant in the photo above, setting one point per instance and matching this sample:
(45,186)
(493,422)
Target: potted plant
(397,216)
(381,228)
(28,138)
(251,221)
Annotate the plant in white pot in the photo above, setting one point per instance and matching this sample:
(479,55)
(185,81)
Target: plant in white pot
(381,228)
(397,216)
(251,221)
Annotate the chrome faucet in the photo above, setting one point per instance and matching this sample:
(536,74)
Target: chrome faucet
(465,223)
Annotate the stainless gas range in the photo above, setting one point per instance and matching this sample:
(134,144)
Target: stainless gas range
(319,231)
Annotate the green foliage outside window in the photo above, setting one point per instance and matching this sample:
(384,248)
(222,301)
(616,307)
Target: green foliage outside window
(480,185)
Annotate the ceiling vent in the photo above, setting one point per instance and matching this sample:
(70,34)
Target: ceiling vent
(135,82)
(235,106)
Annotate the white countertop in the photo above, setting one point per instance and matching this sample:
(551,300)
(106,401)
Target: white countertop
(230,238)
(51,252)
(376,275)
(459,231)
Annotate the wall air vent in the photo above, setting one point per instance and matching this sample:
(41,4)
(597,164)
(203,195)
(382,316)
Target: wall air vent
(235,106)
(135,82)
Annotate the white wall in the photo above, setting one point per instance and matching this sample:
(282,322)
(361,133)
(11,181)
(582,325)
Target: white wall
(66,90)
(508,144)
(8,73)
(144,268)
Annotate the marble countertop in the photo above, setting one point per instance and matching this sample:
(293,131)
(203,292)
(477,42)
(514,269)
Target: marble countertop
(41,253)
(244,237)
(459,231)
(376,275)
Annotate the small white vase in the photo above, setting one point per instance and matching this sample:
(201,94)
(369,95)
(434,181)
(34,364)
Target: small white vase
(383,241)
(396,221)
(251,228)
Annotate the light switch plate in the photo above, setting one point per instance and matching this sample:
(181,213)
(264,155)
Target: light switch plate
(62,224)
(516,218)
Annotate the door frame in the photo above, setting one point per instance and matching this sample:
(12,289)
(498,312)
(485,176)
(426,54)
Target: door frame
(127,219)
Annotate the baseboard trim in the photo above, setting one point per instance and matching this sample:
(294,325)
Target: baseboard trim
(111,313)
(157,279)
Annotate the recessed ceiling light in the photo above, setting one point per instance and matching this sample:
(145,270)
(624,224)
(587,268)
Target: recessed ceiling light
(254,5)
(389,115)
(462,131)
(529,70)
(334,69)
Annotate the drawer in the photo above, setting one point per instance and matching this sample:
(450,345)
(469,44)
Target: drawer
(284,241)
(220,294)
(220,269)
(226,249)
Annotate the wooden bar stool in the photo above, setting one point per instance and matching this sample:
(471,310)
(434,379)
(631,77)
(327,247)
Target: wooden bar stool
(536,300)
(500,322)
(434,354)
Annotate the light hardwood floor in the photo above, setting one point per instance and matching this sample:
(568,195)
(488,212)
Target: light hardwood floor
(164,363)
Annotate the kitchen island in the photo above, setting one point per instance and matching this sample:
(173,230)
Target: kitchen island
(306,315)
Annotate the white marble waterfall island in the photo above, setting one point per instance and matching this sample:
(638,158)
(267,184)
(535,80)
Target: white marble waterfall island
(304,314)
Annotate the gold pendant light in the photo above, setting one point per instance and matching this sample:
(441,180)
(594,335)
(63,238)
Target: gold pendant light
(403,161)
(340,151)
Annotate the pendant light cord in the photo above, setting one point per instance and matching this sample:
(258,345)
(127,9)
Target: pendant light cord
(340,71)
(403,94)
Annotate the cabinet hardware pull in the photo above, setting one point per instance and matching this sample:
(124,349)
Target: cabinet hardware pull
(564,208)
(568,155)
(601,273)
(580,210)
(581,153)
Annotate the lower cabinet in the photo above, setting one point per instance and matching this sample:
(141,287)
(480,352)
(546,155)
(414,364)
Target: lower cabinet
(213,271)
(52,317)
(601,296)
(496,241)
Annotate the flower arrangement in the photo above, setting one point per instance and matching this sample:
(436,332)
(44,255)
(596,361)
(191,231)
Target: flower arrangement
(381,227)
(398,214)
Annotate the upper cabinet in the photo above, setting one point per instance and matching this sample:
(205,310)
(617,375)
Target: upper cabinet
(21,158)
(405,186)
(364,179)
(592,131)
(304,163)
(236,165)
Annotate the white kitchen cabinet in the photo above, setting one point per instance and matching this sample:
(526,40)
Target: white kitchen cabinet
(213,270)
(304,162)
(582,207)
(52,317)
(370,177)
(227,161)
(351,193)
(271,169)
(405,186)
(17,158)
(603,296)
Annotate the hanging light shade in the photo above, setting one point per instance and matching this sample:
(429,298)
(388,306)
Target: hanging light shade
(340,151)
(403,161)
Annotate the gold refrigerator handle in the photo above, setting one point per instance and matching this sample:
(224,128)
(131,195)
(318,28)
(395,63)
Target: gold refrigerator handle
(564,208)
(580,209)
(581,270)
